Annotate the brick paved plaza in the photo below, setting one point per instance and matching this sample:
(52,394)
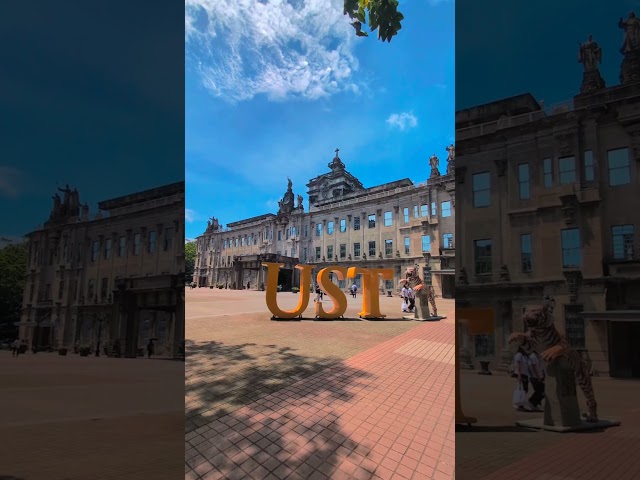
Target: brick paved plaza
(86,418)
(495,449)
(316,399)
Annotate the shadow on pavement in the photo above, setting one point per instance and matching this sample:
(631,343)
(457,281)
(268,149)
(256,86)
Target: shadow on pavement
(232,425)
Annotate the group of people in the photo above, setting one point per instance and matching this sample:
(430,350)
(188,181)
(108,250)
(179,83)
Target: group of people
(408,299)
(528,369)
(353,290)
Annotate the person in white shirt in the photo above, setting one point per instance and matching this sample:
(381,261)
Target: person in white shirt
(16,347)
(521,364)
(536,374)
(405,299)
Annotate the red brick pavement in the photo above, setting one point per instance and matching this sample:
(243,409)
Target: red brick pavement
(611,454)
(385,413)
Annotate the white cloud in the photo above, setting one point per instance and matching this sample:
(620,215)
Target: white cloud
(402,121)
(9,179)
(279,48)
(189,215)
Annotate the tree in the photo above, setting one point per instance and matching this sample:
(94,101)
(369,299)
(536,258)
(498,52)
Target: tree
(13,269)
(189,258)
(383,15)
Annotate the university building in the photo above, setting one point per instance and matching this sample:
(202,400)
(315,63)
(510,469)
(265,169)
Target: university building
(114,278)
(395,225)
(548,205)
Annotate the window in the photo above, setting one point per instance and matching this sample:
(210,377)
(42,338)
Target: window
(524,187)
(574,325)
(91,287)
(547,172)
(405,214)
(388,285)
(317,253)
(356,223)
(447,240)
(526,252)
(104,287)
(481,185)
(248,240)
(279,235)
(388,219)
(388,247)
(65,249)
(415,211)
(343,250)
(304,254)
(356,250)
(426,243)
(567,169)
(95,250)
(482,256)
(434,209)
(136,244)
(255,239)
(107,248)
(589,168)
(168,239)
(372,249)
(293,252)
(236,242)
(622,242)
(407,245)
(424,210)
(343,225)
(329,228)
(153,241)
(445,209)
(122,247)
(60,289)
(372,221)
(619,168)
(485,345)
(288,233)
(306,231)
(330,252)
(318,229)
(571,254)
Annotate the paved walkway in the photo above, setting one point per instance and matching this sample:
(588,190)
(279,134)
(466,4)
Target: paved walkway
(88,418)
(386,412)
(495,449)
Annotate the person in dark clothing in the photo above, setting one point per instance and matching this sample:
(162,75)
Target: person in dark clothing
(150,348)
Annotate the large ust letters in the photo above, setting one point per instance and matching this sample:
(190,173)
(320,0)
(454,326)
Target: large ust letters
(370,299)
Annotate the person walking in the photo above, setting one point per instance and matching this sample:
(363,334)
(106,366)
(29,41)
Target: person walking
(411,295)
(536,375)
(354,289)
(16,347)
(405,299)
(150,348)
(521,368)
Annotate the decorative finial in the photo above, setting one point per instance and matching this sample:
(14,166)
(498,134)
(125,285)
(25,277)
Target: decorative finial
(337,150)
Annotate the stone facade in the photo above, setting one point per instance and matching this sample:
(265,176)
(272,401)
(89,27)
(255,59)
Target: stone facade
(116,276)
(549,205)
(346,224)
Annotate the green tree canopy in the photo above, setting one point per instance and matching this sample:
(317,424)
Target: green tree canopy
(13,270)
(189,258)
(382,15)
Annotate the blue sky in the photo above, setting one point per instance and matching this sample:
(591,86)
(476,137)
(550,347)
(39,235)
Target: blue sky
(92,98)
(506,47)
(272,90)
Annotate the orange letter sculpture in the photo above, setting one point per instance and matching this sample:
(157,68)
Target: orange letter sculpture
(272,289)
(333,291)
(370,296)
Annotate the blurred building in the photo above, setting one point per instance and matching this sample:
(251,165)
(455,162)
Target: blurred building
(548,204)
(395,225)
(117,277)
